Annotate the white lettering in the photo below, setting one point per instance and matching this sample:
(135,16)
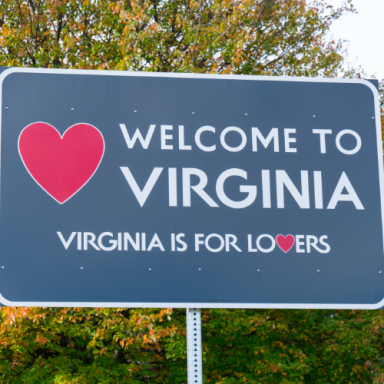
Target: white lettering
(112,242)
(288,139)
(322,242)
(251,190)
(282,180)
(346,151)
(79,241)
(69,241)
(266,182)
(231,240)
(266,250)
(165,137)
(199,188)
(182,145)
(141,195)
(128,239)
(209,237)
(89,238)
(273,135)
(299,243)
(250,248)
(322,133)
(198,242)
(172,186)
(240,146)
(155,243)
(339,196)
(137,135)
(311,242)
(318,186)
(198,139)
(183,244)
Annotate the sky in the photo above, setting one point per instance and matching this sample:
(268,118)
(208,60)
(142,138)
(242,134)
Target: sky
(365,32)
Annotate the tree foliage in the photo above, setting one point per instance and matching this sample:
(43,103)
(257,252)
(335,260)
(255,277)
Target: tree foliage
(381,93)
(215,36)
(59,33)
(238,37)
(80,345)
(77,345)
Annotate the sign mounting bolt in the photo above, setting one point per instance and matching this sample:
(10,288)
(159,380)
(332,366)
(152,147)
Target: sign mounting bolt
(135,111)
(72,109)
(373,118)
(246,114)
(193,113)
(6,107)
(379,272)
(150,269)
(199,269)
(314,116)
(3,268)
(258,270)
(81,268)
(318,270)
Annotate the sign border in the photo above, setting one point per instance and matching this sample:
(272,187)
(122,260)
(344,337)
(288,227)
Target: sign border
(375,92)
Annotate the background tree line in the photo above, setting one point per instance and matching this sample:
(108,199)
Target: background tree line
(256,37)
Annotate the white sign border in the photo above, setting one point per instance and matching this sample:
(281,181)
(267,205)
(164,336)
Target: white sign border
(375,92)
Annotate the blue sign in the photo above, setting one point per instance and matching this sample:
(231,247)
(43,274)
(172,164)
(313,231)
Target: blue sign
(128,189)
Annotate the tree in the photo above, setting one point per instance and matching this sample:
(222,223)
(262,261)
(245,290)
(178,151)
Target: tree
(293,346)
(244,37)
(60,34)
(80,345)
(77,345)
(381,91)
(239,37)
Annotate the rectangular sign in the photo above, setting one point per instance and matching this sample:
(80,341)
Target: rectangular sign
(124,189)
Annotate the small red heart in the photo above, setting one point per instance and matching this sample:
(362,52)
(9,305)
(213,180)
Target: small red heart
(61,165)
(285,242)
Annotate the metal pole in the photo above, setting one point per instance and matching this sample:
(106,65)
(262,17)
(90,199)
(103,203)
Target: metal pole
(194,352)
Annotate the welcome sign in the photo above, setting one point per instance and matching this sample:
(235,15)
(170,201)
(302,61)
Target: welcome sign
(145,189)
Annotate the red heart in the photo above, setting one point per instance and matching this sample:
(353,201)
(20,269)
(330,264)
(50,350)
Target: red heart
(61,165)
(285,242)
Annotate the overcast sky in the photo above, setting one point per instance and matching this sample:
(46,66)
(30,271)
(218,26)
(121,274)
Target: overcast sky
(365,32)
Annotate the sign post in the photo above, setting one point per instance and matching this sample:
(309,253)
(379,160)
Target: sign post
(194,350)
(122,189)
